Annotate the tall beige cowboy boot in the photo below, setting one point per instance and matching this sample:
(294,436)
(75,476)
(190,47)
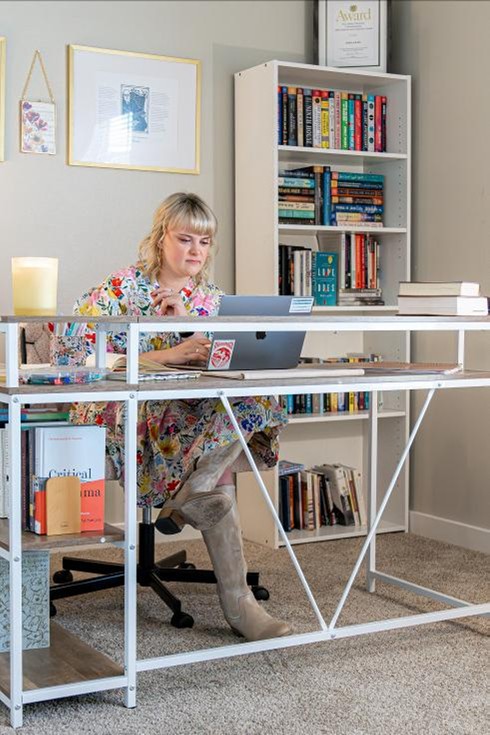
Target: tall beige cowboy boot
(241,610)
(197,502)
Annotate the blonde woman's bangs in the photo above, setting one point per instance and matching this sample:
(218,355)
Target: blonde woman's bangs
(194,220)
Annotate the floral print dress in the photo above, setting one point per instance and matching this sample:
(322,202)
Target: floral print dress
(172,434)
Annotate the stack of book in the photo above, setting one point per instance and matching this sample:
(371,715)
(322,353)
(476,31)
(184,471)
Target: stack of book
(320,118)
(307,272)
(325,495)
(72,460)
(441,298)
(356,199)
(315,195)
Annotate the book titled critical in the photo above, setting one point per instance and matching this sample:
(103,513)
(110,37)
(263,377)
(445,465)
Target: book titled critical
(75,451)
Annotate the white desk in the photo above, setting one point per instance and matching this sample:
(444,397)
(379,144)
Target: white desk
(223,389)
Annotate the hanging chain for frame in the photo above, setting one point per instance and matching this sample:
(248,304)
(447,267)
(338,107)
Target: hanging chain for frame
(37,118)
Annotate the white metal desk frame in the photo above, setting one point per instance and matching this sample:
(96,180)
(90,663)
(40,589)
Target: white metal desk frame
(328,631)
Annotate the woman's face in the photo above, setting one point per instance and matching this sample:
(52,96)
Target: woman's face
(184,252)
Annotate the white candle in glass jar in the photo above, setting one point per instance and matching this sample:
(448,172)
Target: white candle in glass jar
(35,286)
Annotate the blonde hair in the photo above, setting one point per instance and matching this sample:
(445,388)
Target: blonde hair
(180,210)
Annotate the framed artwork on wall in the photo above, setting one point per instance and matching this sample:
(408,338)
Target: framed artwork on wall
(133,110)
(3,44)
(352,35)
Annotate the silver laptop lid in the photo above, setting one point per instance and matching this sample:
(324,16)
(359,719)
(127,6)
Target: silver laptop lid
(259,350)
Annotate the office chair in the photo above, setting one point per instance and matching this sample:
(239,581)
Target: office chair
(150,572)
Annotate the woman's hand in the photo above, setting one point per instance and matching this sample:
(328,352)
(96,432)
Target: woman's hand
(167,303)
(194,349)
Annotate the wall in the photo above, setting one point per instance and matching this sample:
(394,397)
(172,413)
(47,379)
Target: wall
(93,219)
(444,45)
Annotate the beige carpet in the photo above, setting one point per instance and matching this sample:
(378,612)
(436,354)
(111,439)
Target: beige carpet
(432,679)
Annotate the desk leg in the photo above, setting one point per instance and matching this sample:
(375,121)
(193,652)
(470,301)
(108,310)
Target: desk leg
(15,565)
(254,468)
(382,507)
(130,500)
(372,489)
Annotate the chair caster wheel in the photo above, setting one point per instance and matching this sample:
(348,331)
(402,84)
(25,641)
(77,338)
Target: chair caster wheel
(63,575)
(186,565)
(52,610)
(260,593)
(182,620)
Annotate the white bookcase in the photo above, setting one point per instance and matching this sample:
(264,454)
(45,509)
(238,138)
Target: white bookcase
(258,160)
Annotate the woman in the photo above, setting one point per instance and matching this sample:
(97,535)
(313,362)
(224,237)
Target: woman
(187,450)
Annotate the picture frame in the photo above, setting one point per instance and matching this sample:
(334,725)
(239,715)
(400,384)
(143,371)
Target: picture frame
(352,35)
(3,54)
(133,110)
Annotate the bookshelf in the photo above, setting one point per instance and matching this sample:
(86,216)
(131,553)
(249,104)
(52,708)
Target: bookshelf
(259,159)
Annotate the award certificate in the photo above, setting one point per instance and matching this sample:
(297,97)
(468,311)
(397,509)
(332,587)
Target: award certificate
(353,33)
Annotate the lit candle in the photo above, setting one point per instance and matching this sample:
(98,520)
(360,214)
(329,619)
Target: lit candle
(34,286)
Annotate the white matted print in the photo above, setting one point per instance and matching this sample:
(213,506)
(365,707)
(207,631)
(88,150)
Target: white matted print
(133,110)
(37,127)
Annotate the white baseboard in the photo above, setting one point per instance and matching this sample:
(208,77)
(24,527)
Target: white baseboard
(450,532)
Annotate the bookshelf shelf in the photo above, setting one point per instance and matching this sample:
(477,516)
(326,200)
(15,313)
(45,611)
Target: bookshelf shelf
(321,418)
(32,541)
(298,155)
(328,533)
(68,660)
(259,162)
(315,230)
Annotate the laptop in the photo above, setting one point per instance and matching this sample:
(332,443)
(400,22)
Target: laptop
(258,350)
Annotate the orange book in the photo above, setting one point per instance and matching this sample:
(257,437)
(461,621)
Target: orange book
(92,505)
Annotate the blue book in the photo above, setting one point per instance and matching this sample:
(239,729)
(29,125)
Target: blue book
(325,278)
(327,196)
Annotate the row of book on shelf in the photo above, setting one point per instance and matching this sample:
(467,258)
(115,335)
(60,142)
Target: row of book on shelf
(63,477)
(323,403)
(340,120)
(316,195)
(351,276)
(444,298)
(324,495)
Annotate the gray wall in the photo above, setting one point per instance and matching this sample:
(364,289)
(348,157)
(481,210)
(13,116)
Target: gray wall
(93,219)
(444,45)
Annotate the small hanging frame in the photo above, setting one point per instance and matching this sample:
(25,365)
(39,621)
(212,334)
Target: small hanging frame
(37,117)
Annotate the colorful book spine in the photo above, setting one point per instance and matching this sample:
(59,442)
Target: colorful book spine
(308,117)
(300,117)
(325,109)
(292,122)
(317,118)
(344,122)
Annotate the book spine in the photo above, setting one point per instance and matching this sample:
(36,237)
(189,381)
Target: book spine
(338,122)
(358,122)
(308,115)
(327,196)
(364,122)
(371,123)
(384,143)
(317,118)
(344,122)
(292,123)
(357,177)
(331,119)
(284,116)
(351,122)
(300,117)
(325,119)
(303,183)
(378,145)
(279,115)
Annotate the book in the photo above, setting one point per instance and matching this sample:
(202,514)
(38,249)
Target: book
(438,288)
(148,369)
(411,368)
(63,505)
(75,451)
(443,305)
(327,371)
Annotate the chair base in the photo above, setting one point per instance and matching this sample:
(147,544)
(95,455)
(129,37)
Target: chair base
(150,573)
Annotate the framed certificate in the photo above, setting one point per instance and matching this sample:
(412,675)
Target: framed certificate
(2,97)
(133,110)
(352,35)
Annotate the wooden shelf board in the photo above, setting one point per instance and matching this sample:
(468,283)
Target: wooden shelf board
(68,660)
(299,154)
(328,309)
(330,533)
(318,229)
(342,416)
(32,541)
